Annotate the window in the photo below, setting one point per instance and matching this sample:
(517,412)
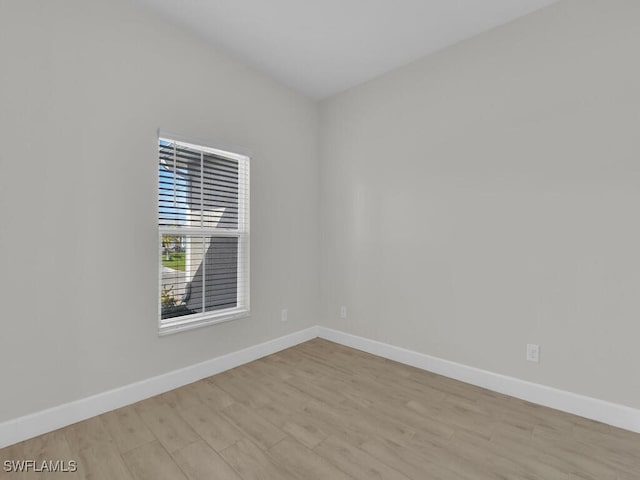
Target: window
(203,215)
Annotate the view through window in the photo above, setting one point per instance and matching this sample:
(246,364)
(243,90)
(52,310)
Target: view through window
(203,217)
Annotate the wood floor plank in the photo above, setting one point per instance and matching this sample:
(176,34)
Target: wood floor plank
(310,385)
(252,463)
(278,391)
(335,421)
(49,448)
(126,428)
(13,453)
(199,462)
(273,367)
(571,457)
(618,451)
(198,393)
(524,467)
(456,458)
(241,389)
(355,462)
(261,431)
(305,463)
(301,427)
(103,463)
(212,427)
(621,476)
(152,462)
(90,433)
(166,424)
(415,464)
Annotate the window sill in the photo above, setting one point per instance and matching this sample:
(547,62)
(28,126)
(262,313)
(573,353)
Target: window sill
(190,322)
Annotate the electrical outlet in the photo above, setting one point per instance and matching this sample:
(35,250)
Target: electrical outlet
(284,315)
(533,352)
(343,311)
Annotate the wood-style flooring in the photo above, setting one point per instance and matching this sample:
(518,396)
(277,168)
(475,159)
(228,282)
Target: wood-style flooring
(323,411)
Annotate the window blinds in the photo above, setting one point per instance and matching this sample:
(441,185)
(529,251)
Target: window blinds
(203,216)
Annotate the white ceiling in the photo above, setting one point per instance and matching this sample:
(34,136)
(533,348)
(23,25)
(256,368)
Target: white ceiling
(322,47)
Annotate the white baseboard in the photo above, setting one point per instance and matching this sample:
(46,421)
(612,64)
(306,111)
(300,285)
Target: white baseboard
(607,412)
(28,426)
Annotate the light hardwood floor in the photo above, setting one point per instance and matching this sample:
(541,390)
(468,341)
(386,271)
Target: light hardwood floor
(324,411)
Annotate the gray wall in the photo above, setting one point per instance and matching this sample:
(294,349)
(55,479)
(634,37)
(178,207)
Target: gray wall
(84,86)
(487,197)
(472,202)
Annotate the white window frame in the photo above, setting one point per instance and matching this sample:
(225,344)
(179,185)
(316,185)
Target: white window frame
(242,310)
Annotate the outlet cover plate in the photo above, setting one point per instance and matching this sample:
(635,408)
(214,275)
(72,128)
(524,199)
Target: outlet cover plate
(533,352)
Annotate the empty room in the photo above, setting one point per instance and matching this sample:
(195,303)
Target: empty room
(340,240)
